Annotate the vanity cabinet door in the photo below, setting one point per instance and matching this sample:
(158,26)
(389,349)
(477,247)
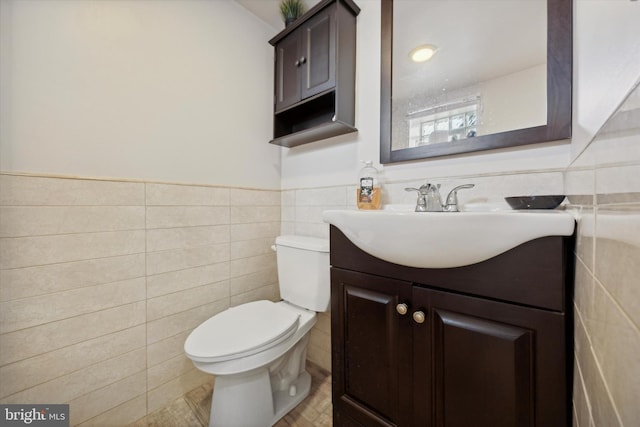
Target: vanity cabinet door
(371,350)
(493,364)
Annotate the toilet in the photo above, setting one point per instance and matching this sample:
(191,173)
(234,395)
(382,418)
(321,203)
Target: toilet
(257,351)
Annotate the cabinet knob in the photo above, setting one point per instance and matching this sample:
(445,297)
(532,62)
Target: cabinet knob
(300,61)
(402,309)
(419,317)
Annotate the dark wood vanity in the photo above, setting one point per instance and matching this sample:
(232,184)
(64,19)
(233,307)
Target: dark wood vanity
(484,345)
(315,63)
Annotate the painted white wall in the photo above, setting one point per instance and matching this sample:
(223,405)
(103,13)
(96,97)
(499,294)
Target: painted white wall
(155,90)
(606,60)
(606,63)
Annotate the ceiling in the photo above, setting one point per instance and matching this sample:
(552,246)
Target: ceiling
(269,10)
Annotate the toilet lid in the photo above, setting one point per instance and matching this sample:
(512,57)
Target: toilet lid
(241,331)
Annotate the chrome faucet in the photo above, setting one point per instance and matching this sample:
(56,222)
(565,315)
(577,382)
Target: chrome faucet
(429,198)
(451,204)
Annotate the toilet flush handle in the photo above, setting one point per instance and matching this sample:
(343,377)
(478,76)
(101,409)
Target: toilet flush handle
(273,248)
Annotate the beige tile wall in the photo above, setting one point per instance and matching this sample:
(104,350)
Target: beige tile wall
(101,282)
(302,214)
(604,186)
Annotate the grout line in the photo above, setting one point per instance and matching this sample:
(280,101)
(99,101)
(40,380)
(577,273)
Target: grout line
(130,180)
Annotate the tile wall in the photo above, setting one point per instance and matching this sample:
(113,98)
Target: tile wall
(101,282)
(302,214)
(604,188)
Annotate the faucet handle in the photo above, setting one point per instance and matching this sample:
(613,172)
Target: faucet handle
(424,189)
(451,204)
(421,203)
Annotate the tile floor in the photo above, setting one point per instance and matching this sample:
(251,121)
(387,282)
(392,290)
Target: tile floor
(192,410)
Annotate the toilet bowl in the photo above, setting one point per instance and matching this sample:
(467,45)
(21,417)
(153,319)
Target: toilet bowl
(257,351)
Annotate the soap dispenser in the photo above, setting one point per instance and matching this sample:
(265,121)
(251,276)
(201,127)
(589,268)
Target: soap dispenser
(369,193)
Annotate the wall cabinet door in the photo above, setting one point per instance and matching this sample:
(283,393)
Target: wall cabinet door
(288,71)
(319,53)
(305,60)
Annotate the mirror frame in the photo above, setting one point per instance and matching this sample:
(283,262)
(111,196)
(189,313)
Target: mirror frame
(559,82)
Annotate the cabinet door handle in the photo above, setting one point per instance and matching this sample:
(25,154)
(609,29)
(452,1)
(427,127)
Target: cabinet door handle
(303,60)
(419,316)
(402,309)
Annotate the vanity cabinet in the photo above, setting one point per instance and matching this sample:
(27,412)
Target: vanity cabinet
(450,347)
(314,88)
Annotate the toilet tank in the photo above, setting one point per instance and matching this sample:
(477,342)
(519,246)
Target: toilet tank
(303,271)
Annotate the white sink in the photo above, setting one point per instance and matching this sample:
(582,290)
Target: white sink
(445,239)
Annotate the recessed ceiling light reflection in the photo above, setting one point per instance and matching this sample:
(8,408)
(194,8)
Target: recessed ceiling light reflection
(423,53)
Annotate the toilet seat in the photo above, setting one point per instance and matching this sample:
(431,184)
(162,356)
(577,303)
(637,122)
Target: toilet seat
(241,331)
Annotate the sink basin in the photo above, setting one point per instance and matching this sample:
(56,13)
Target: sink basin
(444,239)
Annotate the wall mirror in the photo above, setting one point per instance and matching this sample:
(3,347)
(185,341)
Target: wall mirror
(499,76)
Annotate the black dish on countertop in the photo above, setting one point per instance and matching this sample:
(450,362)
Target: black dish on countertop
(535,202)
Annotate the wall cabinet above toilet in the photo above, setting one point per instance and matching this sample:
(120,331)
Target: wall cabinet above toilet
(314,88)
